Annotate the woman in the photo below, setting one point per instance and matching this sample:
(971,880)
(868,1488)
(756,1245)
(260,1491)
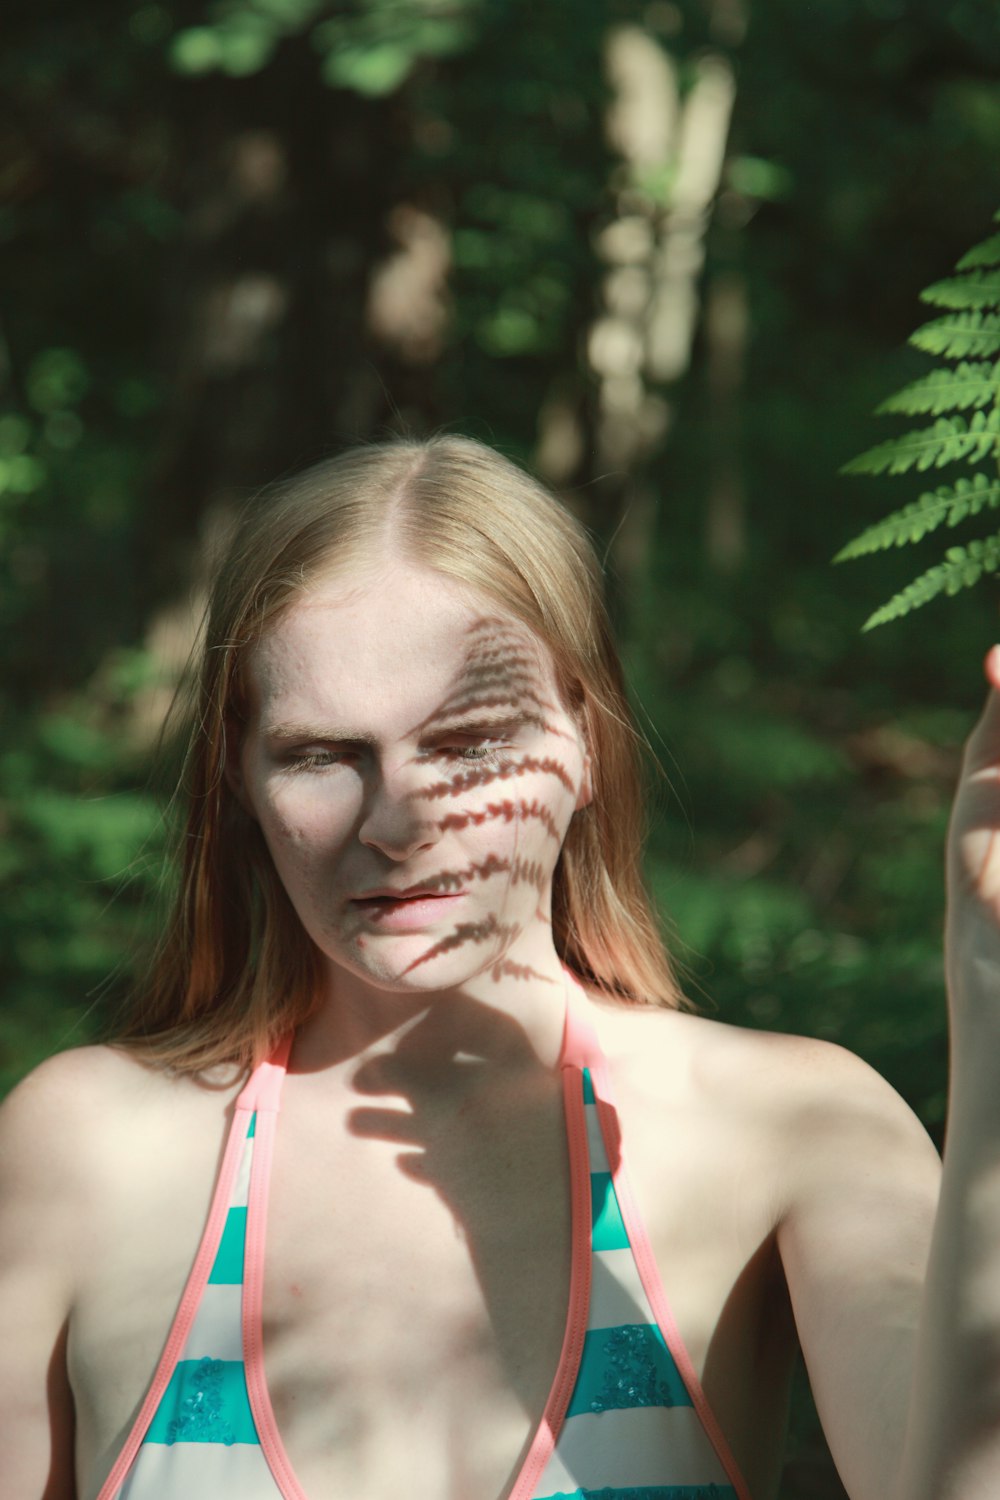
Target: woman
(411,915)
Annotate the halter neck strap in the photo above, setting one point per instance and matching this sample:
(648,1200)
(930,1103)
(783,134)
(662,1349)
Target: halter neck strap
(263,1088)
(580,1047)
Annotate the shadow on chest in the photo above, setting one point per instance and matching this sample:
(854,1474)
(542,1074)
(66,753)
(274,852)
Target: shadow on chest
(417,1228)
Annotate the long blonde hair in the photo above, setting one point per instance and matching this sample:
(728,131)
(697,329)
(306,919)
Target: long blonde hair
(234,969)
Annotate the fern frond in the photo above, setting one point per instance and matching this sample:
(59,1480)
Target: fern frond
(985,254)
(947,441)
(976,289)
(943,390)
(962,567)
(960,335)
(964,402)
(948,503)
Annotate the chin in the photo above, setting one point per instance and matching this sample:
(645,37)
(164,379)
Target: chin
(423,965)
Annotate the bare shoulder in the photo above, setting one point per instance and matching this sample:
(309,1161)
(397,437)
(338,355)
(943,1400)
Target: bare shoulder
(85,1087)
(83,1118)
(807,1101)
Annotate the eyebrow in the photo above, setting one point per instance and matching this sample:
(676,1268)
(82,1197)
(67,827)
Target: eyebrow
(458,723)
(287,733)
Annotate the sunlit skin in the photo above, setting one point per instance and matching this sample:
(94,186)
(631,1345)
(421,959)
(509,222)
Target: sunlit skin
(407,736)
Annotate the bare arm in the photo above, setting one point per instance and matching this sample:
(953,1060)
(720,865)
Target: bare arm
(862,1180)
(899,1310)
(953,1442)
(37,1198)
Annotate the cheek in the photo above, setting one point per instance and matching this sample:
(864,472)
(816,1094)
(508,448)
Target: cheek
(521,819)
(300,825)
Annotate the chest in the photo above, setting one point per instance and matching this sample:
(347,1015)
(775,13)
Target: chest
(415,1283)
(418,1262)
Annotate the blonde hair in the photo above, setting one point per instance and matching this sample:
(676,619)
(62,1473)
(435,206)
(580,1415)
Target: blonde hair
(235,970)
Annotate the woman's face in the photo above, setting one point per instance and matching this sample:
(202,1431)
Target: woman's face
(413,772)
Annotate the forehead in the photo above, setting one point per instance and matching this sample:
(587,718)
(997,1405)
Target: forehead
(393,652)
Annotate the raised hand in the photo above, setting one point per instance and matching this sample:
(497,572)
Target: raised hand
(973,925)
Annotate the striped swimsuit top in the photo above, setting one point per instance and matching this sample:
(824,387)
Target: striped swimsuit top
(626,1418)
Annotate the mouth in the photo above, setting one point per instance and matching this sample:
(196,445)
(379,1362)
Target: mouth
(415,905)
(391,898)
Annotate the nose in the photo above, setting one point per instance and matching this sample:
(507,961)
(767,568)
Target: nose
(395,820)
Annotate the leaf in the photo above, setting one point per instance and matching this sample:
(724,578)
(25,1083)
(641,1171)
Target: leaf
(985,254)
(944,390)
(948,503)
(950,439)
(976,289)
(962,567)
(960,335)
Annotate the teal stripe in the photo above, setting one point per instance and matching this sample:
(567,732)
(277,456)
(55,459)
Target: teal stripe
(626,1367)
(651,1492)
(608,1231)
(228,1267)
(205,1402)
(588,1088)
(252,1127)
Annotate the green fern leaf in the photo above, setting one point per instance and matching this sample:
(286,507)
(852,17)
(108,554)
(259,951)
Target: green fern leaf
(964,402)
(950,439)
(970,385)
(985,254)
(948,503)
(976,289)
(960,335)
(962,567)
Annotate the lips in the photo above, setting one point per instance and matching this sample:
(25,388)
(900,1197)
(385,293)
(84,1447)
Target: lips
(406,911)
(412,893)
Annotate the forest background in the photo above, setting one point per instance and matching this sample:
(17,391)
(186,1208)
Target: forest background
(667,255)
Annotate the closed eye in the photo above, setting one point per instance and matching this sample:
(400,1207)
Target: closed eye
(475,752)
(317,760)
(478,749)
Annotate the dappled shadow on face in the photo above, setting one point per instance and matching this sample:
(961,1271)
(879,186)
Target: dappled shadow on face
(505,812)
(503,668)
(504,687)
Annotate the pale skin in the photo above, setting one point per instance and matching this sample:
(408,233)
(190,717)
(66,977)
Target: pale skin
(788,1192)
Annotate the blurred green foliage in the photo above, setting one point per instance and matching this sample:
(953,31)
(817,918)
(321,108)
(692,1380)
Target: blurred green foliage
(195,198)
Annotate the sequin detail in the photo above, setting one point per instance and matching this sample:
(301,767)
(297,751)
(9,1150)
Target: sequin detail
(201,1416)
(633,1377)
(655,1492)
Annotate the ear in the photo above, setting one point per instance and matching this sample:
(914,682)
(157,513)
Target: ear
(585,794)
(585,791)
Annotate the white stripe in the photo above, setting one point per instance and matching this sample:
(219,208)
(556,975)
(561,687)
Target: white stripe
(240,1195)
(616,1293)
(595,1141)
(645,1445)
(217,1330)
(199,1471)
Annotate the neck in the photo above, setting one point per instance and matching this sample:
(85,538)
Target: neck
(503,1014)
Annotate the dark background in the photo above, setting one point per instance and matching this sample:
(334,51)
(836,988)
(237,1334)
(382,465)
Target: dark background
(667,255)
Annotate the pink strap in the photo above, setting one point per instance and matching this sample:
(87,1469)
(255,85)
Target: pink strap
(561,1391)
(649,1273)
(253,1290)
(263,1087)
(580,1047)
(188,1305)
